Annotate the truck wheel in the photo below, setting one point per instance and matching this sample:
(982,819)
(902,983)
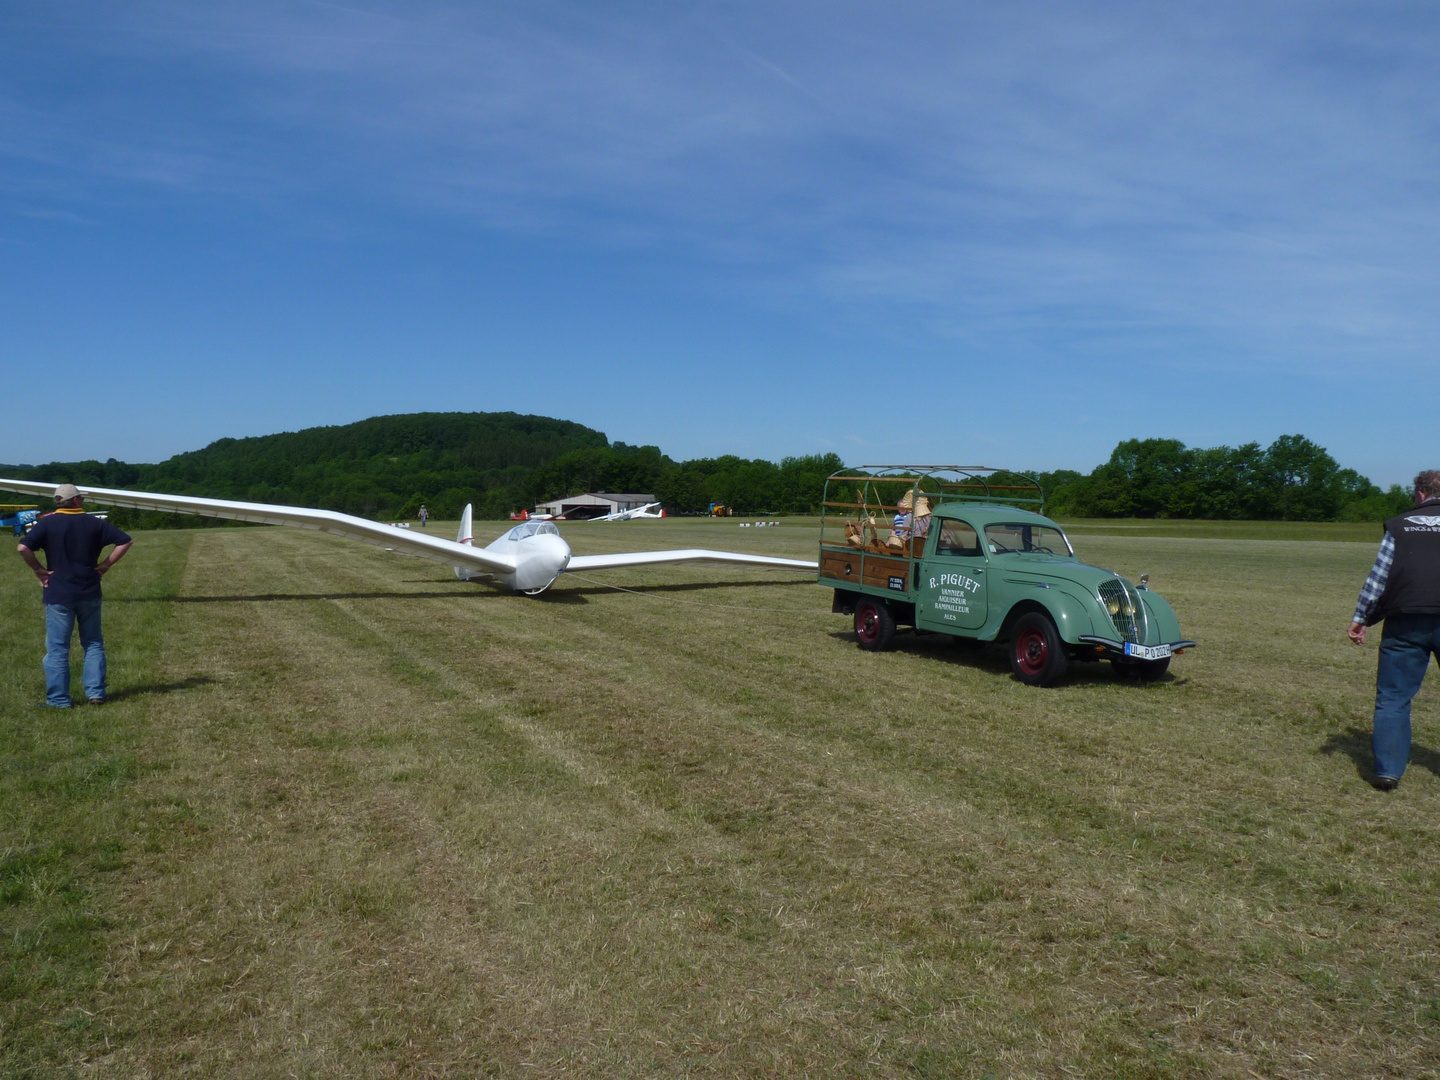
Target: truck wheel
(874,625)
(1143,670)
(1037,655)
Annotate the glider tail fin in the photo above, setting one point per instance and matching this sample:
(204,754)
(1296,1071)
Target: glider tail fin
(466,537)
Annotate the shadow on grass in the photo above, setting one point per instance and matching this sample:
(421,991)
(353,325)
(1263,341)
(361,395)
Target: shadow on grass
(992,657)
(692,586)
(1354,743)
(464,593)
(161,688)
(476,591)
(943,649)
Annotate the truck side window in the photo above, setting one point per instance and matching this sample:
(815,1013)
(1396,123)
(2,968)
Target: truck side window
(957,538)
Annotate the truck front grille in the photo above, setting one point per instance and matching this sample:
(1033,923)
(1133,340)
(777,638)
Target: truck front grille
(1123,604)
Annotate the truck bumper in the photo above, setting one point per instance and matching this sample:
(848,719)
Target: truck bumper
(1111,645)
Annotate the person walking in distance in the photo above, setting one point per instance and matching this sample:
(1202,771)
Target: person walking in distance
(424,517)
(72,541)
(1403,591)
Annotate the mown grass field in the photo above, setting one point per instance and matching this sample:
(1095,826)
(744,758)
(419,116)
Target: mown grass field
(350,817)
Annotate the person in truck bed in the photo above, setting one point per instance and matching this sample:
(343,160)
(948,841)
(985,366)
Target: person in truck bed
(913,519)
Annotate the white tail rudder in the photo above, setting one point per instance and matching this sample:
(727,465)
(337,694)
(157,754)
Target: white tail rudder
(467,537)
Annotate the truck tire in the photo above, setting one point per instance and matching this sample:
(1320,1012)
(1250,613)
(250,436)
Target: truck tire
(874,625)
(1037,655)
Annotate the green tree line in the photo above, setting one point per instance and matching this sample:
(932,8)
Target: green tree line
(1292,479)
(385,467)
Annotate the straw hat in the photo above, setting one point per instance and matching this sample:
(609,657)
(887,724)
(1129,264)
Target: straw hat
(920,506)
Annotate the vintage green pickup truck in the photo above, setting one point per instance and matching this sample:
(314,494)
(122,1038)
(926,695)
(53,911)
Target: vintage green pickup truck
(964,551)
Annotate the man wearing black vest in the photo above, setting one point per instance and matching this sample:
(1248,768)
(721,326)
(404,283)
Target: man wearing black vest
(72,541)
(1403,590)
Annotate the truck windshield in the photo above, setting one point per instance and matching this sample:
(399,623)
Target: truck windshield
(1004,539)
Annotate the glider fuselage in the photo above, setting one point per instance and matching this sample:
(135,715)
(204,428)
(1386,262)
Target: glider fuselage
(538,551)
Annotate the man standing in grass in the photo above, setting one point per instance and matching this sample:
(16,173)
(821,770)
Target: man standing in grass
(72,541)
(1403,589)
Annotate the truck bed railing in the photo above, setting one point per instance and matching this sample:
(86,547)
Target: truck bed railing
(862,493)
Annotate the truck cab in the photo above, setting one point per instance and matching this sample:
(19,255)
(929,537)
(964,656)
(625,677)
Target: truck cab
(969,554)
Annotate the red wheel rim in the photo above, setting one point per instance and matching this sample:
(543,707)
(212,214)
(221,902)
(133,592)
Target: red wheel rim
(867,624)
(1031,651)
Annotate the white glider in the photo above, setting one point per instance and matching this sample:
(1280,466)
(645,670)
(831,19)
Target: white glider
(526,559)
(631,515)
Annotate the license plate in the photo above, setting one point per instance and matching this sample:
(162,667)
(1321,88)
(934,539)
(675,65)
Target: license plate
(1146,652)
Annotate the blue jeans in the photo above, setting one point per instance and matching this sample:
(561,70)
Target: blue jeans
(1405,651)
(60,622)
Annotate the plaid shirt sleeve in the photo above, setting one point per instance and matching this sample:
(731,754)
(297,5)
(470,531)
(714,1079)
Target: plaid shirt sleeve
(1375,582)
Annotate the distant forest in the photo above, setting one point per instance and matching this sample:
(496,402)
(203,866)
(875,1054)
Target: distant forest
(385,467)
(1292,479)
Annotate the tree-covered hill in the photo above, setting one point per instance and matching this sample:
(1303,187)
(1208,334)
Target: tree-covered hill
(385,467)
(373,468)
(377,467)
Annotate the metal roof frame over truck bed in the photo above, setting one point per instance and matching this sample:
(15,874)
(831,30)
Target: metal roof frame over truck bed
(867,490)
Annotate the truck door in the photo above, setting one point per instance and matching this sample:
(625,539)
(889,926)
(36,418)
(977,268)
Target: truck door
(952,581)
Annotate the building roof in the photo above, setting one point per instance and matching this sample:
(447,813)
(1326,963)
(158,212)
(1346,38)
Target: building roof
(602,498)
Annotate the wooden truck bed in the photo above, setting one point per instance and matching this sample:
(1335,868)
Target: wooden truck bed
(851,566)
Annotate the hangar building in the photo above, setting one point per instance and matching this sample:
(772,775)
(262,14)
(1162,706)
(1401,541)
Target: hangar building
(593,504)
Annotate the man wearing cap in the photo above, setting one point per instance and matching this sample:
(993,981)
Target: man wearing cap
(1403,590)
(72,541)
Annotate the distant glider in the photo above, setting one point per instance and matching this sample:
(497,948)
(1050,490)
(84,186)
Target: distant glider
(631,515)
(526,559)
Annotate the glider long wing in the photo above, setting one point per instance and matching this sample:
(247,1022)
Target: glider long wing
(642,558)
(328,521)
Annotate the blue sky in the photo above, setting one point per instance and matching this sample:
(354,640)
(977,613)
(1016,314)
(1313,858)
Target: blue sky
(1007,234)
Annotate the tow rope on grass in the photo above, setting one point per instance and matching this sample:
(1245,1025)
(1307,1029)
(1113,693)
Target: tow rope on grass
(696,603)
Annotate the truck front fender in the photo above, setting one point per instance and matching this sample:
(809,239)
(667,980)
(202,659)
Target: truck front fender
(1162,615)
(1069,613)
(1073,615)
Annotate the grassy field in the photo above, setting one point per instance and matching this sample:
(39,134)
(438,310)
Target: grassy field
(351,817)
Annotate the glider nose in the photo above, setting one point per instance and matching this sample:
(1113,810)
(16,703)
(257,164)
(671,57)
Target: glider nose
(561,553)
(545,560)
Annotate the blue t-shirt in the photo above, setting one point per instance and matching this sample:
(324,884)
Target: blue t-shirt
(72,544)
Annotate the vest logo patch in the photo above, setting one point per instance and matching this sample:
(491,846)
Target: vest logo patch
(1430,520)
